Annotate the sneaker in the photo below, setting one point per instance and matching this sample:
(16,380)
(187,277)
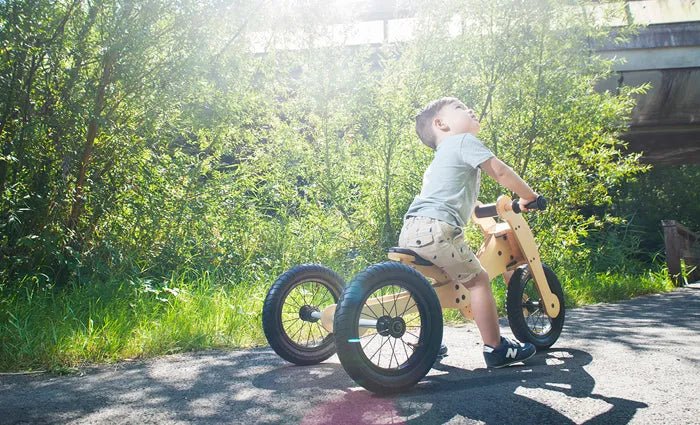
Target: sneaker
(441,354)
(508,352)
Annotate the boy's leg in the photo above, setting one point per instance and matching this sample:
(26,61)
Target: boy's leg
(444,245)
(484,309)
(498,351)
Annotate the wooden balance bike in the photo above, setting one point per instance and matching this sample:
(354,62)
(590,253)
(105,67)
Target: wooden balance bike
(386,324)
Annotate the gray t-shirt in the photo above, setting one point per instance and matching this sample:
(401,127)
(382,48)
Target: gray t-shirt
(451,182)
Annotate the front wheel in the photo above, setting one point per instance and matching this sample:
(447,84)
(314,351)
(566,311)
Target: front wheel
(526,317)
(388,327)
(292,309)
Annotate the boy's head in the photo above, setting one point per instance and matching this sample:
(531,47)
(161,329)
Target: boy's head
(444,117)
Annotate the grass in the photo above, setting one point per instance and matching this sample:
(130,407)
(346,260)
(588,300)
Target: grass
(590,288)
(44,329)
(48,330)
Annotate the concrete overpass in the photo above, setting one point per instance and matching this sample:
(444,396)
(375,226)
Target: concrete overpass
(665,124)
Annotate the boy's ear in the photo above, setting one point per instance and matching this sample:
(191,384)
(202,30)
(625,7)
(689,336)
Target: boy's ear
(440,124)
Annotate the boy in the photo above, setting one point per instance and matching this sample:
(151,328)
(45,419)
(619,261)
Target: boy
(446,201)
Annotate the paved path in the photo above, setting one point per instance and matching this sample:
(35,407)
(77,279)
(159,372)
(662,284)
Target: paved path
(633,362)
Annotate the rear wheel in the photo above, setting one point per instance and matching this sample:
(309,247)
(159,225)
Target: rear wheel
(388,327)
(526,317)
(291,313)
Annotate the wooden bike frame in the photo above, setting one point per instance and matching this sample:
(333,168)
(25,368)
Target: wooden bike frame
(507,245)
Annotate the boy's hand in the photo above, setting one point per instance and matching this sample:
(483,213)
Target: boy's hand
(522,202)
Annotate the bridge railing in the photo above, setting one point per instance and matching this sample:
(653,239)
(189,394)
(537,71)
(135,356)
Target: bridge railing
(682,247)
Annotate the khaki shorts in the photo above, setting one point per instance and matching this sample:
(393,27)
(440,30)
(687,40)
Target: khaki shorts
(443,244)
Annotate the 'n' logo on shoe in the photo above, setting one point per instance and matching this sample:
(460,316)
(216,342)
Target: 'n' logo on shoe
(512,353)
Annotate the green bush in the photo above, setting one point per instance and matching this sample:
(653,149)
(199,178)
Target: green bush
(150,140)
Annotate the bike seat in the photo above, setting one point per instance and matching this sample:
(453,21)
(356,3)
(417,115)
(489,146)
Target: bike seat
(418,260)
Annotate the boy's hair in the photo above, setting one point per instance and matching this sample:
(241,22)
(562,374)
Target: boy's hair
(424,120)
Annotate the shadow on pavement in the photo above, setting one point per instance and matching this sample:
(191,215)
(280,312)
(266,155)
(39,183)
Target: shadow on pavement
(205,387)
(489,396)
(232,388)
(256,386)
(651,317)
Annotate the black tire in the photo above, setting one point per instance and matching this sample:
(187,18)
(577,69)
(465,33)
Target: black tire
(286,313)
(527,319)
(416,337)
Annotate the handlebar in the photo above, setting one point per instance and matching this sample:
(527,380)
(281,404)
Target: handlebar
(490,210)
(538,204)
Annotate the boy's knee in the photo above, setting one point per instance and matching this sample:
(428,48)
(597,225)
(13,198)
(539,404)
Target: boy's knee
(480,280)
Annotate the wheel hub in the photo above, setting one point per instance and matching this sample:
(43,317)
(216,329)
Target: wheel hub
(305,313)
(383,325)
(398,327)
(391,326)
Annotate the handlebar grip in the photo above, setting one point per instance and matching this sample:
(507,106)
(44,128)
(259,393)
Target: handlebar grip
(538,204)
(488,210)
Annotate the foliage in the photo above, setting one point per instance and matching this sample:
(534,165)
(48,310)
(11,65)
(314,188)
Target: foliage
(521,66)
(143,140)
(661,194)
(116,134)
(44,330)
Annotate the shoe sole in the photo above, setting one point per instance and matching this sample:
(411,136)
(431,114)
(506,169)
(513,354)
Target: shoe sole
(438,359)
(512,363)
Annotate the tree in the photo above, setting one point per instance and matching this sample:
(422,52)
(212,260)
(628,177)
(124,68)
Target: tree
(530,71)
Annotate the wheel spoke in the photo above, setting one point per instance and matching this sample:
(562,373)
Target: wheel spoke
(368,316)
(412,319)
(381,304)
(321,331)
(307,333)
(404,344)
(308,337)
(378,350)
(371,332)
(313,291)
(370,341)
(302,292)
(537,321)
(393,305)
(410,298)
(313,296)
(296,304)
(376,316)
(416,336)
(297,332)
(393,352)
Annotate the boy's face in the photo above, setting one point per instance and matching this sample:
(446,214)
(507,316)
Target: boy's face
(456,118)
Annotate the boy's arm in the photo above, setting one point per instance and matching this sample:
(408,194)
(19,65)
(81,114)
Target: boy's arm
(506,177)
